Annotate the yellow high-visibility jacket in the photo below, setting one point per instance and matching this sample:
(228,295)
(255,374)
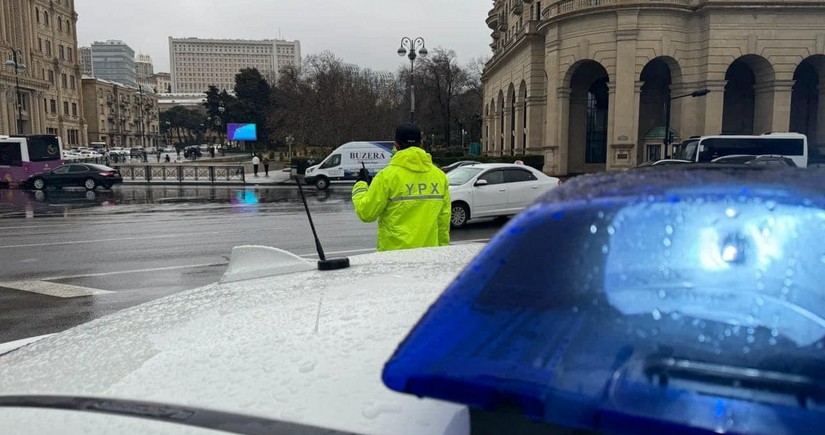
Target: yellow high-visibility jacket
(411,200)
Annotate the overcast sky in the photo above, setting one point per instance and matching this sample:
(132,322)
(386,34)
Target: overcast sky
(363,32)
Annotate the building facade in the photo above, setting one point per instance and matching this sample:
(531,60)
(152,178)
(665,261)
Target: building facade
(121,115)
(85,56)
(589,84)
(199,63)
(144,70)
(162,82)
(114,61)
(42,33)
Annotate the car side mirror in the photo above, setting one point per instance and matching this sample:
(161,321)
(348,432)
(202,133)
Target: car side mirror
(481,183)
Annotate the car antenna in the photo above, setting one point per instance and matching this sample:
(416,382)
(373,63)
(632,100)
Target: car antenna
(323,263)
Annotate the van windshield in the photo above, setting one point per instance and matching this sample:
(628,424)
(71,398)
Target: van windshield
(333,161)
(687,150)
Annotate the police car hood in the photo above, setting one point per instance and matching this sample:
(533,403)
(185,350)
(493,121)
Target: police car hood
(304,347)
(413,158)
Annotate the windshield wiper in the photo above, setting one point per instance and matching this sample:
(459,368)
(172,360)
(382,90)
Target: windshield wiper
(202,418)
(666,369)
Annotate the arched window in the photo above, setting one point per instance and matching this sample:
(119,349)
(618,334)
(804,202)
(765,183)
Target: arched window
(46,18)
(60,24)
(37,14)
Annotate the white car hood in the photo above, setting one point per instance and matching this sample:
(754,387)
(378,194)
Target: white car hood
(305,347)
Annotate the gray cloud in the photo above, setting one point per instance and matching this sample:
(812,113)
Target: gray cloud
(363,32)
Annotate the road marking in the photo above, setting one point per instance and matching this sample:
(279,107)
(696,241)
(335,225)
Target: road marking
(53,289)
(124,272)
(121,239)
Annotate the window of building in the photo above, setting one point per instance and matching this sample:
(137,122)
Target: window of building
(51,76)
(53,106)
(46,18)
(74,109)
(65,108)
(74,82)
(73,137)
(60,24)
(39,44)
(64,80)
(69,55)
(48,48)
(37,14)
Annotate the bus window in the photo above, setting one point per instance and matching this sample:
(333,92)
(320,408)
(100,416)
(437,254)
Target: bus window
(10,154)
(716,147)
(43,148)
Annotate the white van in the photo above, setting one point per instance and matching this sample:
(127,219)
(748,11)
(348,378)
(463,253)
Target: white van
(345,162)
(709,148)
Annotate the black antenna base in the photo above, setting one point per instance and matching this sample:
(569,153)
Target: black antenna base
(333,264)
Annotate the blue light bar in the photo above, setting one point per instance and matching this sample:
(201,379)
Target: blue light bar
(668,300)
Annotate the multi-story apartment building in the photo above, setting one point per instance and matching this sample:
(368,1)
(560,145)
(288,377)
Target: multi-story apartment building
(162,82)
(42,35)
(114,61)
(589,84)
(121,115)
(85,57)
(200,63)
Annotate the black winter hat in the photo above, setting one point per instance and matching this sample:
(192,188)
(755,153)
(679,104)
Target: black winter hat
(408,135)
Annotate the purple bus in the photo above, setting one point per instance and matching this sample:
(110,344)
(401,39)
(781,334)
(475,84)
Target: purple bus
(24,156)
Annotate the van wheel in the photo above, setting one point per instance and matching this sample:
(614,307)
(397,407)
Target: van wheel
(322,183)
(460,215)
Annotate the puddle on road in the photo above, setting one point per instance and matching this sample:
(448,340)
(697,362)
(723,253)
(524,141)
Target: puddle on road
(153,199)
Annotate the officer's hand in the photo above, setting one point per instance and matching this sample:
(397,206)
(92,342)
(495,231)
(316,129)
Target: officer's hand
(364,175)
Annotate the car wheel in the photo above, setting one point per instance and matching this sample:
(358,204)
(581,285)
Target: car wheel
(460,215)
(90,184)
(322,183)
(39,183)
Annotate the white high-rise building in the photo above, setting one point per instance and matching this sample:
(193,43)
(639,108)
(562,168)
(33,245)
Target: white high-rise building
(199,63)
(144,69)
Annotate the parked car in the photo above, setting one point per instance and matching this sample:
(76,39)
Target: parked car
(119,151)
(136,152)
(495,189)
(459,164)
(751,160)
(85,175)
(170,150)
(192,152)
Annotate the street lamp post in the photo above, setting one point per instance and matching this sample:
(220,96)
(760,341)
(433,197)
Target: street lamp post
(412,48)
(289,140)
(18,68)
(219,123)
(694,94)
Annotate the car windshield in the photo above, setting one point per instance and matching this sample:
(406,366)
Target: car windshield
(462,175)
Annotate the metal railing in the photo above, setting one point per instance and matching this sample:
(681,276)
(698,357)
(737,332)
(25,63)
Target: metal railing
(177,173)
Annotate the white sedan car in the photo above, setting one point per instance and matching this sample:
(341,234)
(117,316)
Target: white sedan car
(495,189)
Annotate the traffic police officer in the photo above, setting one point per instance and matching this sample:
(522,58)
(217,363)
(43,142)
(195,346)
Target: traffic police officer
(410,197)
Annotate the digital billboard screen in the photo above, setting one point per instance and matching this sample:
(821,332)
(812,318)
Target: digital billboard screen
(242,131)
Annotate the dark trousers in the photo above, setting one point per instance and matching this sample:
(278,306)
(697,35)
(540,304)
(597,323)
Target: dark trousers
(255,169)
(266,169)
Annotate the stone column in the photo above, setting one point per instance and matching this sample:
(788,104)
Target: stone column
(562,129)
(508,126)
(4,111)
(713,105)
(554,109)
(623,124)
(518,123)
(611,122)
(763,107)
(782,91)
(497,131)
(535,124)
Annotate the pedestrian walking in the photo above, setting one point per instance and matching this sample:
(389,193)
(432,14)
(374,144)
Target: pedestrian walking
(145,157)
(266,165)
(255,162)
(409,198)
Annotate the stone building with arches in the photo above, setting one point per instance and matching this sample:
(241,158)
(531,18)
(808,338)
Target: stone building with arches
(586,83)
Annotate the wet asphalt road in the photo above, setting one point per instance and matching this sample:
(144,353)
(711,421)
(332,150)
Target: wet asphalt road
(67,257)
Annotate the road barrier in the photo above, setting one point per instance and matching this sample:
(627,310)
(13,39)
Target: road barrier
(177,173)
